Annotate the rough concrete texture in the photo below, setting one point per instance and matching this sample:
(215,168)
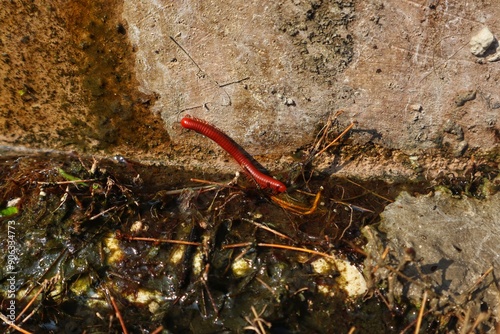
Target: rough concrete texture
(115,78)
(453,242)
(410,78)
(416,82)
(264,71)
(37,74)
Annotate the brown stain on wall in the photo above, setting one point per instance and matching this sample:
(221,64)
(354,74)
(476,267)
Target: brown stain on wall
(68,81)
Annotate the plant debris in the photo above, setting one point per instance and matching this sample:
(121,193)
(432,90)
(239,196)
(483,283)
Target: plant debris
(115,246)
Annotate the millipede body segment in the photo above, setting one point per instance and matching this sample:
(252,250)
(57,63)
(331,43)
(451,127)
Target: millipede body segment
(206,129)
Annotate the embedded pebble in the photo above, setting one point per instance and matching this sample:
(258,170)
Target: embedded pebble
(416,107)
(454,129)
(289,102)
(464,97)
(461,148)
(480,42)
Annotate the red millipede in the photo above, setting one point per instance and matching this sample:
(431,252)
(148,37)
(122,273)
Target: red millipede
(200,126)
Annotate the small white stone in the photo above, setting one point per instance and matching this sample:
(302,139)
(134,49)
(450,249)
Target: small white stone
(350,279)
(481,41)
(289,102)
(136,226)
(13,202)
(416,107)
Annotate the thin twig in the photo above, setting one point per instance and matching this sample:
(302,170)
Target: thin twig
(292,248)
(264,227)
(42,287)
(13,325)
(158,330)
(118,314)
(465,325)
(241,244)
(421,313)
(335,140)
(370,191)
(479,280)
(298,249)
(348,226)
(155,240)
(65,182)
(103,212)
(180,191)
(266,286)
(52,265)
